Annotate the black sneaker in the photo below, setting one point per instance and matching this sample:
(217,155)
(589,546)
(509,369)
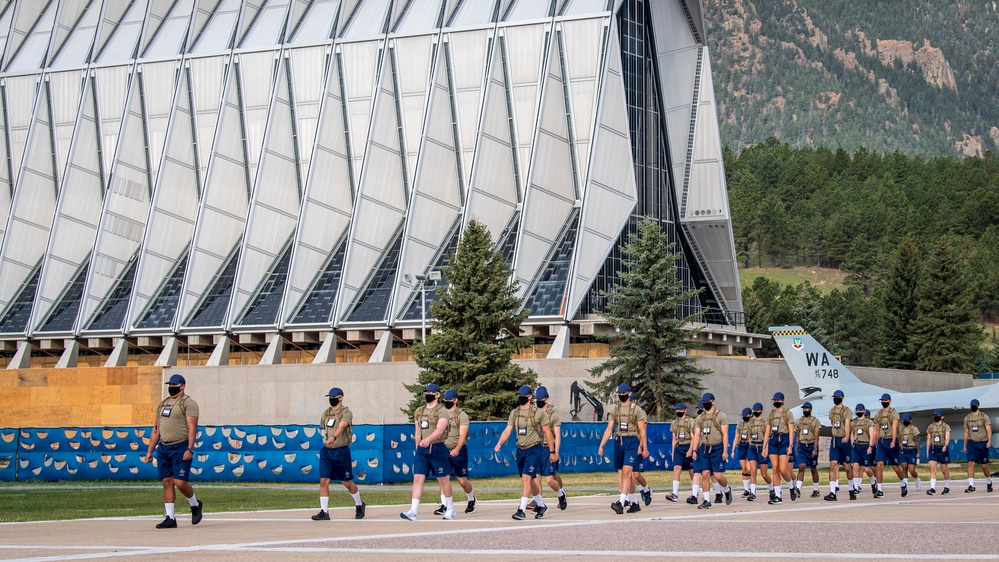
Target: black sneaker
(197,512)
(672,497)
(945,491)
(988,487)
(626,504)
(562,502)
(773,495)
(635,508)
(794,493)
(853,495)
(692,500)
(745,493)
(874,488)
(440,510)
(930,492)
(879,494)
(775,501)
(718,498)
(321,516)
(647,496)
(168,523)
(751,497)
(359,511)
(540,511)
(830,497)
(520,515)
(728,497)
(905,491)
(969,490)
(704,505)
(815,493)
(617,507)
(532,505)
(470,507)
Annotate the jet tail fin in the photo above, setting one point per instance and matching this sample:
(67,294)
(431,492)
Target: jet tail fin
(818,372)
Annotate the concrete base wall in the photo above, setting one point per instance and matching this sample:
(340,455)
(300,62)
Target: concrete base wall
(295,394)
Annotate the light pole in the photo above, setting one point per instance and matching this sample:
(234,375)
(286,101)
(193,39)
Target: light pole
(422,279)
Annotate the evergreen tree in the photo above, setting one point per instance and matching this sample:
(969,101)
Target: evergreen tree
(898,295)
(647,351)
(945,334)
(476,327)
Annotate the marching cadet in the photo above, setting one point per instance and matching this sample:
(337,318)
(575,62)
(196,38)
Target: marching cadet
(682,429)
(977,438)
(639,483)
(552,476)
(334,459)
(839,447)
(862,436)
(710,447)
(627,424)
(533,425)
(431,423)
(740,448)
(938,452)
(807,454)
(908,439)
(780,429)
(886,423)
(457,446)
(175,429)
(758,460)
(696,478)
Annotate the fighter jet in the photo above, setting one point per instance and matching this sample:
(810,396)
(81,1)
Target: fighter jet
(819,373)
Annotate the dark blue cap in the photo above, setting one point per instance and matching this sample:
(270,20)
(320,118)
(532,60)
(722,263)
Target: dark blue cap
(525,390)
(746,411)
(681,406)
(708,397)
(632,396)
(907,417)
(450,394)
(838,394)
(623,388)
(860,407)
(974,402)
(176,379)
(778,396)
(700,404)
(937,412)
(886,396)
(758,406)
(432,387)
(541,393)
(867,413)
(807,405)
(334,392)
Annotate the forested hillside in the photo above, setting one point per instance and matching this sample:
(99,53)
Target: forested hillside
(918,76)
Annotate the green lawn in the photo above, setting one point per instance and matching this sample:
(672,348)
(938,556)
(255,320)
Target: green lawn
(823,278)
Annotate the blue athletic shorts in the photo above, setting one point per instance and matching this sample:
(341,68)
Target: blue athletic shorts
(640,464)
(938,455)
(860,454)
(681,459)
(909,456)
(531,461)
(805,455)
(625,452)
(885,453)
(335,464)
(756,454)
(433,461)
(709,458)
(839,450)
(742,451)
(459,464)
(170,461)
(780,444)
(978,452)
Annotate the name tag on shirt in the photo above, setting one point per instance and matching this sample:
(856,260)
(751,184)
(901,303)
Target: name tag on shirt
(775,428)
(743,436)
(521,431)
(804,431)
(756,436)
(905,441)
(885,426)
(974,428)
(166,411)
(681,435)
(424,424)
(623,426)
(936,439)
(836,425)
(860,431)
(331,422)
(706,430)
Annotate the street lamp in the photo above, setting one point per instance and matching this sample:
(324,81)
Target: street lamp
(422,279)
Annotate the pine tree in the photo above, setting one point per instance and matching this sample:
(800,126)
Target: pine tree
(476,327)
(945,334)
(898,295)
(647,350)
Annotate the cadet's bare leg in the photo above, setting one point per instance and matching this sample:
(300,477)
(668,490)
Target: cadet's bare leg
(168,493)
(765,473)
(324,487)
(624,480)
(640,479)
(536,485)
(184,486)
(466,486)
(418,480)
(445,482)
(349,484)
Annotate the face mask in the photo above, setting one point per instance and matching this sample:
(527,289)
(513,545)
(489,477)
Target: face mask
(974,408)
(334,401)
(837,400)
(937,418)
(860,415)
(745,418)
(906,423)
(885,404)
(542,403)
(700,411)
(623,397)
(523,400)
(430,398)
(708,405)
(778,404)
(173,390)
(806,413)
(449,404)
(680,414)
(757,414)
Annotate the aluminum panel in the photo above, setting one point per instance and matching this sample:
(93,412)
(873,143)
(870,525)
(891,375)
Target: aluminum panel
(30,54)
(114,11)
(328,200)
(75,50)
(168,39)
(247,18)
(472,13)
(494,193)
(20,93)
(203,11)
(69,14)
(671,29)
(359,66)
(347,9)
(207,80)
(421,16)
(6,17)
(437,197)
(368,21)
(6,186)
(256,73)
(317,23)
(65,89)
(307,75)
(525,48)
(158,81)
(468,52)
(112,89)
(582,42)
(296,12)
(583,7)
(412,63)
(268,26)
(216,37)
(525,10)
(124,41)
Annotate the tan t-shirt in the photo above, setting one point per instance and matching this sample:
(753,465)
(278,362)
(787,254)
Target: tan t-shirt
(976,424)
(331,420)
(757,430)
(936,434)
(908,436)
(838,416)
(807,429)
(862,430)
(556,420)
(457,419)
(742,430)
(427,419)
(527,424)
(710,425)
(173,413)
(683,429)
(883,420)
(780,422)
(626,419)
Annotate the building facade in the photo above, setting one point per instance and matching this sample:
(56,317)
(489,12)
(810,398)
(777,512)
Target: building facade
(283,170)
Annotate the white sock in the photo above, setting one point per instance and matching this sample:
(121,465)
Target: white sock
(777,491)
(874,479)
(676,487)
(540,501)
(169,510)
(646,489)
(797,484)
(815,486)
(919,483)
(192,501)
(971,482)
(905,482)
(696,490)
(858,482)
(449,502)
(633,498)
(357,497)
(833,487)
(790,486)
(416,505)
(947,483)
(745,483)
(623,498)
(879,487)
(988,480)
(560,493)
(771,486)
(752,489)
(324,503)
(717,487)
(933,483)
(707,496)
(471,495)
(443,500)
(523,503)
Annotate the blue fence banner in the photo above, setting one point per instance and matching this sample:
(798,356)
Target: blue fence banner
(290,453)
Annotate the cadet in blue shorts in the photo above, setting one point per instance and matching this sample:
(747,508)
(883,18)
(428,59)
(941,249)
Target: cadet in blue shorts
(640,484)
(710,447)
(682,429)
(839,447)
(779,444)
(908,438)
(938,452)
(886,424)
(432,457)
(807,453)
(862,434)
(627,424)
(757,460)
(740,448)
(337,424)
(977,438)
(534,429)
